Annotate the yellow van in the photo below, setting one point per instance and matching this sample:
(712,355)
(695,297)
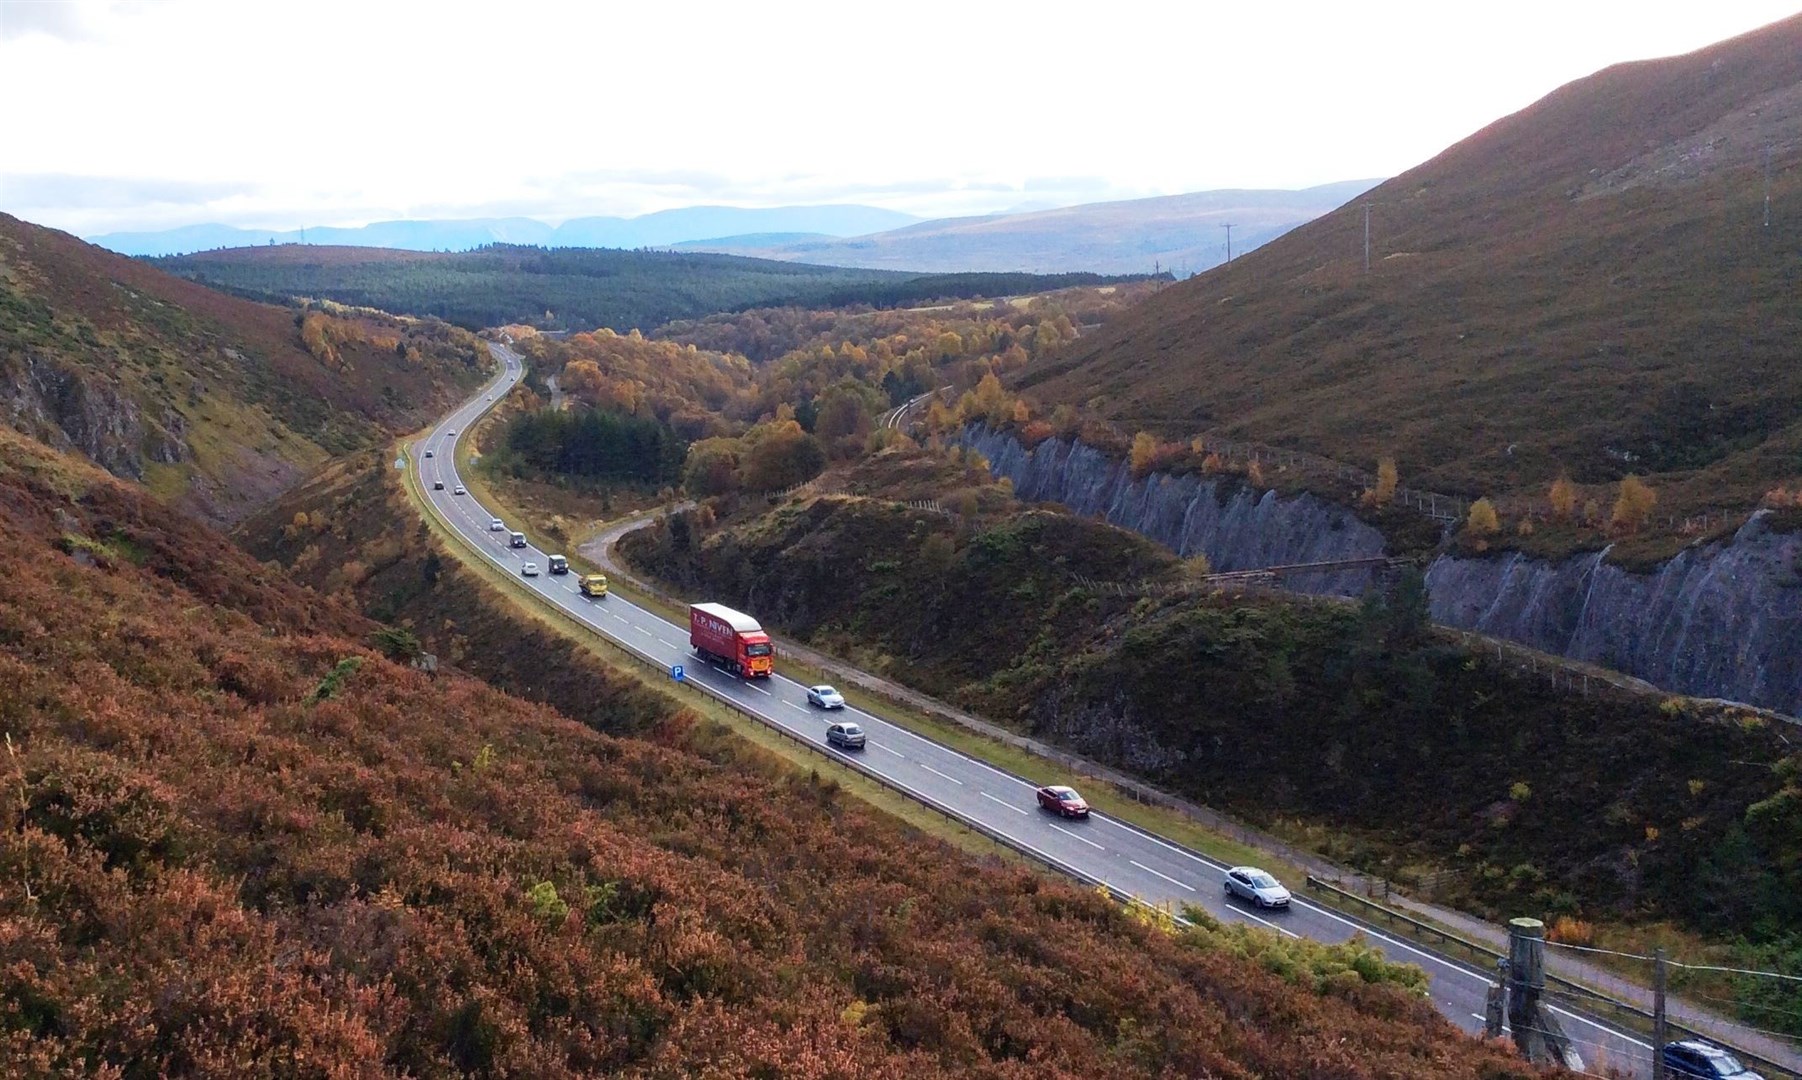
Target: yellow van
(594,585)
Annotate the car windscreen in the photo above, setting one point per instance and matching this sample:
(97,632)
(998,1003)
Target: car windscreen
(1263,881)
(825,691)
(757,650)
(853,729)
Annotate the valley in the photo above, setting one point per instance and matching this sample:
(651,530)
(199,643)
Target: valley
(681,596)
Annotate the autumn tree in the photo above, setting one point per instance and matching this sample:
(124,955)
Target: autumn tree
(1144,453)
(1633,505)
(781,456)
(1563,497)
(1482,522)
(712,467)
(1388,479)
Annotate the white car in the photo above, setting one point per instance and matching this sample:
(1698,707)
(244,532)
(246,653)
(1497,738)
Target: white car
(1250,883)
(459,490)
(529,570)
(451,431)
(825,697)
(496,525)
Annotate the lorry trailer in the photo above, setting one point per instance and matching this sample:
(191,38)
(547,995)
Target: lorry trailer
(731,639)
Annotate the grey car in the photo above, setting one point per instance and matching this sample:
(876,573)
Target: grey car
(849,736)
(825,697)
(1254,885)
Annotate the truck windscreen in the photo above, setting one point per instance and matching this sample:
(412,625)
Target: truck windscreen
(757,650)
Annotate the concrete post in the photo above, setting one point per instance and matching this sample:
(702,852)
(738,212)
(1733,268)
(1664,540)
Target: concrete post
(1526,968)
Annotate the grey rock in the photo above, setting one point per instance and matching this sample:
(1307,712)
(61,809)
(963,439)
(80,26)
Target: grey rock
(1721,620)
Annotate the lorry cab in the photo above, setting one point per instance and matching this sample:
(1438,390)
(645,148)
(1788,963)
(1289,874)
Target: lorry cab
(516,540)
(558,564)
(594,585)
(731,639)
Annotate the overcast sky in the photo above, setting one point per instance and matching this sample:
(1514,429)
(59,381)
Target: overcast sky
(278,114)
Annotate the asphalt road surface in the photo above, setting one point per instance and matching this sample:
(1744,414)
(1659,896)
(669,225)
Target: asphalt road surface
(1126,858)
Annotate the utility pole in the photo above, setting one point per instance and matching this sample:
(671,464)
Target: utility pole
(1658,1032)
(1228,226)
(1367,238)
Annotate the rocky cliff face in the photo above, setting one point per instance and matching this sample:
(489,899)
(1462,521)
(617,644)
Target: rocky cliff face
(70,409)
(1235,527)
(1719,620)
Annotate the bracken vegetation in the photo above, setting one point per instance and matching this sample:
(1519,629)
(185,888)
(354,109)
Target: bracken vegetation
(237,842)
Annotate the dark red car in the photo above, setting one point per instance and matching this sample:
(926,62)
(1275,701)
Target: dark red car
(1063,801)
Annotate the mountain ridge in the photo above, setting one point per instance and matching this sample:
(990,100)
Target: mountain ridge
(1581,287)
(657,229)
(1181,233)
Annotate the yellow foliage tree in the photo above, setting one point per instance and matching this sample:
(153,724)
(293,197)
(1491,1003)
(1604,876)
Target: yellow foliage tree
(1563,497)
(1483,521)
(1144,452)
(1388,479)
(1633,506)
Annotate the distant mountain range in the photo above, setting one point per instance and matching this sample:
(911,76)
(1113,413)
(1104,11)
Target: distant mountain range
(662,229)
(1185,234)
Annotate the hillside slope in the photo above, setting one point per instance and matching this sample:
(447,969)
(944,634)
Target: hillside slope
(212,401)
(1587,285)
(1134,236)
(236,842)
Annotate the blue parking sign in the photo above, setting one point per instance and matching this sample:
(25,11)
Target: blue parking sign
(676,672)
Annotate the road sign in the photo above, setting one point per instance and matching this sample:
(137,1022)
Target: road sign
(675,672)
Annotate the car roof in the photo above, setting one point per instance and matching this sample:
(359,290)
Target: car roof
(823,689)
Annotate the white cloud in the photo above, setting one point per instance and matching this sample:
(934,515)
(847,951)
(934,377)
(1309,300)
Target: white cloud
(336,112)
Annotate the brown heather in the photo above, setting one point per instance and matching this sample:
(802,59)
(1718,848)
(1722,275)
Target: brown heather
(235,842)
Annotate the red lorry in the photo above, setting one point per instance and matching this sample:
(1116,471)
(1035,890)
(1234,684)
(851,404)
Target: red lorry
(731,639)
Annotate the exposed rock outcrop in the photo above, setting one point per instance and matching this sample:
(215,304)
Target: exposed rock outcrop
(71,409)
(1722,619)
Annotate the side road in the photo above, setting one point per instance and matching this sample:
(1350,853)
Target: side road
(600,551)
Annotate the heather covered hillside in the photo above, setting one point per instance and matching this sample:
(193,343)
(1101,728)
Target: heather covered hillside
(238,841)
(213,402)
(1589,286)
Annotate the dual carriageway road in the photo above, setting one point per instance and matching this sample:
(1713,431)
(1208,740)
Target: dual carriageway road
(1102,849)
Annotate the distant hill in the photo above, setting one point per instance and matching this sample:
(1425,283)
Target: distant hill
(575,288)
(1180,233)
(661,229)
(1586,285)
(213,402)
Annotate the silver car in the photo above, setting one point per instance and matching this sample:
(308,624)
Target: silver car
(825,697)
(1250,883)
(849,736)
(529,569)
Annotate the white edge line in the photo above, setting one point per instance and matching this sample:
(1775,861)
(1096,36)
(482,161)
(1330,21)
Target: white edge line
(1078,836)
(935,772)
(1003,802)
(1166,877)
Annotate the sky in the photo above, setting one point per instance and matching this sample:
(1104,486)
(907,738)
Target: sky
(279,114)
